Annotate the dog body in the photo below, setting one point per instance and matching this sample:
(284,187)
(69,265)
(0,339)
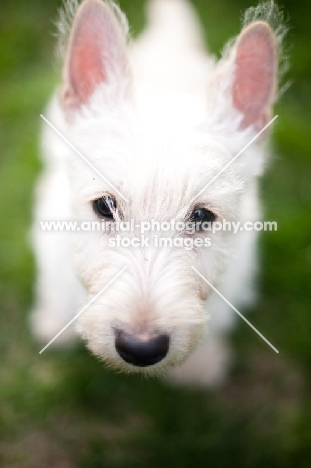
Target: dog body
(159,119)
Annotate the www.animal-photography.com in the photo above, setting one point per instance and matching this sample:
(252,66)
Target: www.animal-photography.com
(155,227)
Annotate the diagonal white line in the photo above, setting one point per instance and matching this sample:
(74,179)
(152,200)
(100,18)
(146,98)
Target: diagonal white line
(83,309)
(235,310)
(83,157)
(233,159)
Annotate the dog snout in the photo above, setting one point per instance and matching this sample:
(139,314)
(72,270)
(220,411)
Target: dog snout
(141,351)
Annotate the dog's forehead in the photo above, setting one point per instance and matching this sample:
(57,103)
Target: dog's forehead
(176,112)
(157,152)
(154,130)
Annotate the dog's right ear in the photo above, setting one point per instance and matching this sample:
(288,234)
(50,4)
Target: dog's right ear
(96,54)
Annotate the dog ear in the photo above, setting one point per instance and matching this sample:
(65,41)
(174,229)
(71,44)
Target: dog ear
(255,80)
(96,53)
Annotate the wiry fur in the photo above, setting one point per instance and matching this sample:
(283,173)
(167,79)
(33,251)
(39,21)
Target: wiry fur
(159,135)
(273,15)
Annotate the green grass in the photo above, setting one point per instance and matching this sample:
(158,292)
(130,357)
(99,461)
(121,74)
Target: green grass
(64,409)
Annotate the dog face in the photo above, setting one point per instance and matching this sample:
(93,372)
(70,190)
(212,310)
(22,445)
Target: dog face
(157,154)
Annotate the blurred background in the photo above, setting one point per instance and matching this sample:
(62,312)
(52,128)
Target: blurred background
(64,409)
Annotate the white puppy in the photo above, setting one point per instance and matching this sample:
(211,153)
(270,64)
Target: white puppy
(160,122)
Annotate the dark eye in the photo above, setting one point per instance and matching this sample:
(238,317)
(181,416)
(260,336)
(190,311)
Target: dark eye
(201,215)
(104,207)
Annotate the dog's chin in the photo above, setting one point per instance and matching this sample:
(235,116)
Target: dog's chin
(156,370)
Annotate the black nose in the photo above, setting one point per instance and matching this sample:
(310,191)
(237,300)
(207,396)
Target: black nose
(141,352)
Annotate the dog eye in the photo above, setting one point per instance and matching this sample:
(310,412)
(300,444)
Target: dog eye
(201,215)
(104,207)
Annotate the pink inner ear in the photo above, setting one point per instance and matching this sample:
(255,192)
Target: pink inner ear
(255,75)
(96,48)
(86,68)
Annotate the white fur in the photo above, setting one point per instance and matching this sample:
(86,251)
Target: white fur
(159,138)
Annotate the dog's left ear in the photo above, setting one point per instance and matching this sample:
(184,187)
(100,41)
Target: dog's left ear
(255,79)
(96,54)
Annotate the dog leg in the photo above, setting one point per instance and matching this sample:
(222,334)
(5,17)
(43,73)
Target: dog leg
(58,291)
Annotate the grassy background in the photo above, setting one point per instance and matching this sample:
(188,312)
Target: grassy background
(64,409)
